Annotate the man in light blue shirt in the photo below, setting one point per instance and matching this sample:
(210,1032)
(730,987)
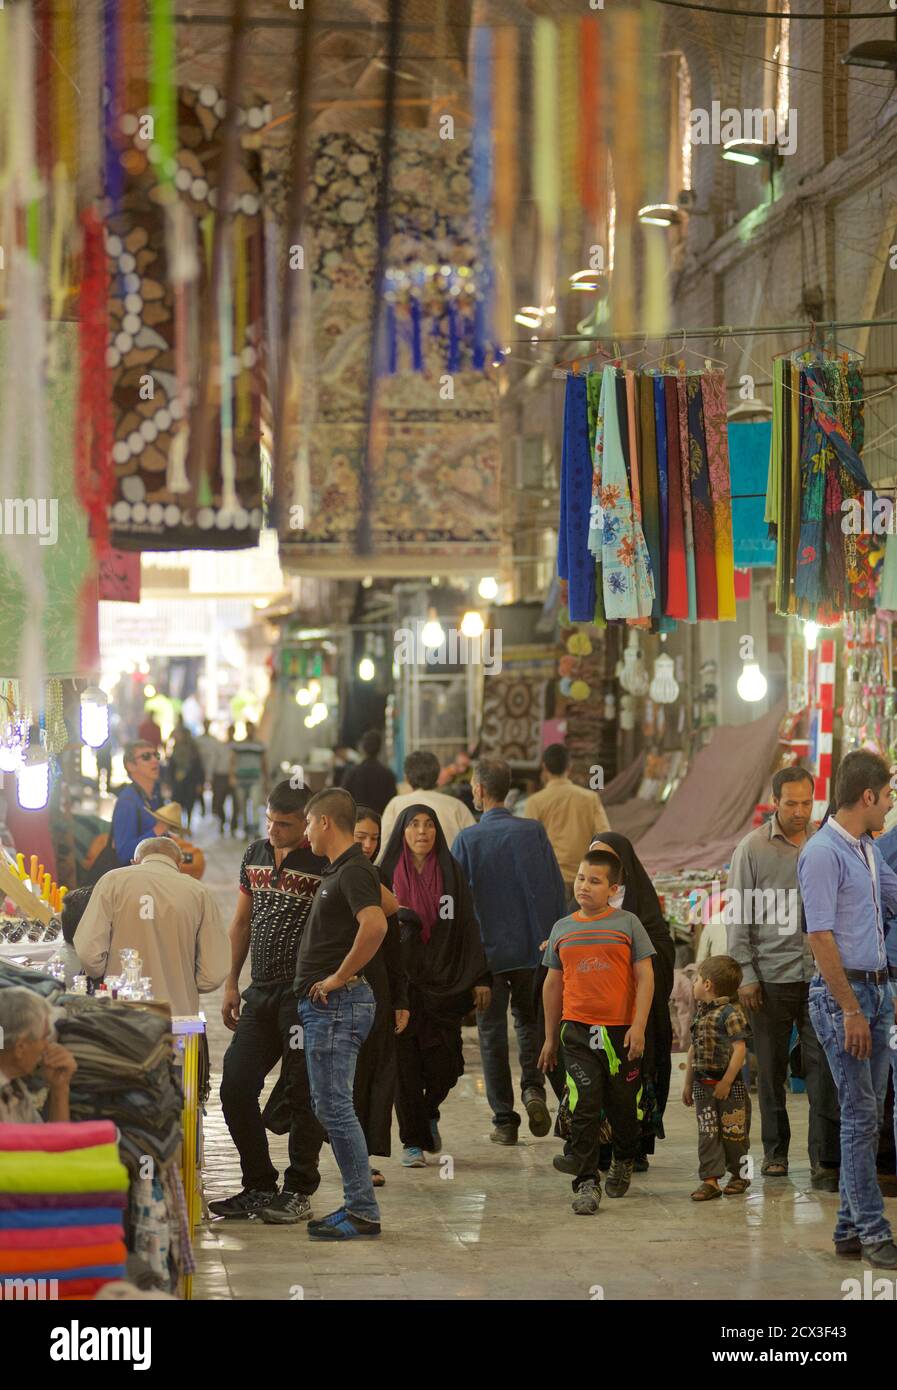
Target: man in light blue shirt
(848,893)
(518,893)
(887,848)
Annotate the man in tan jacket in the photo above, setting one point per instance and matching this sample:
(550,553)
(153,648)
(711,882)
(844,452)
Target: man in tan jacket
(172,922)
(572,816)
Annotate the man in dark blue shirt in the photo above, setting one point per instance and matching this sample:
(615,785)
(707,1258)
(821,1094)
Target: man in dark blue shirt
(518,893)
(133,819)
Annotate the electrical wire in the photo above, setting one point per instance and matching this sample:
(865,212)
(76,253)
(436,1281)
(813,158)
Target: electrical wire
(772,14)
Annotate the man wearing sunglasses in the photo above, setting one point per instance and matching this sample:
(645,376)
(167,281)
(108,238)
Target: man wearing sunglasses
(133,819)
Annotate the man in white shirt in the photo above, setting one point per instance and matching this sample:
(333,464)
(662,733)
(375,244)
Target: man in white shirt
(422,774)
(172,922)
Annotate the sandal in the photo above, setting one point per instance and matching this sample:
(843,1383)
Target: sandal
(706,1192)
(774,1170)
(377,1178)
(735,1186)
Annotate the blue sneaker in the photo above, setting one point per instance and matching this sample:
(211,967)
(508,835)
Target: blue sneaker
(347,1227)
(332,1220)
(413,1157)
(436,1137)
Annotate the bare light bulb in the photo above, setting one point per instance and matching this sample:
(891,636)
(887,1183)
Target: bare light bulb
(751,684)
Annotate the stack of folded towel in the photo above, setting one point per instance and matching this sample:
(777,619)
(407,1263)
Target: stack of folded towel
(126,1072)
(62,1192)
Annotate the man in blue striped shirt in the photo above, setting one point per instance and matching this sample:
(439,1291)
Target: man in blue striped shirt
(848,891)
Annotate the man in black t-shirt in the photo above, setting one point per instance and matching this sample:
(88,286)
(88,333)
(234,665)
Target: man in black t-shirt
(279,878)
(369,783)
(336,1004)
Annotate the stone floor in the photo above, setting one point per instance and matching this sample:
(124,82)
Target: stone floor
(482,1222)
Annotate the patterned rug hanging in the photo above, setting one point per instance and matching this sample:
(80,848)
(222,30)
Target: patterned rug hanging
(153,317)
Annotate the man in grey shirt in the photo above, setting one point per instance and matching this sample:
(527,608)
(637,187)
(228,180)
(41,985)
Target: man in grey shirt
(765,937)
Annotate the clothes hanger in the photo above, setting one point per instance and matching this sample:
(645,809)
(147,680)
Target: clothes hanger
(696,353)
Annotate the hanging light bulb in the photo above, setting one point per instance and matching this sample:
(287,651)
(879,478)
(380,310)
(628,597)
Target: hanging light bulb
(488,588)
(309,722)
(472,624)
(94,716)
(432,634)
(304,695)
(319,712)
(751,684)
(366,669)
(626,671)
(811,633)
(854,712)
(664,689)
(33,779)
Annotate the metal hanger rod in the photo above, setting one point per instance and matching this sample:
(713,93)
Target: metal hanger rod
(723,331)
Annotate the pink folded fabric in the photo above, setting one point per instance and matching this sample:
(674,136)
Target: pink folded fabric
(57,1138)
(58,1237)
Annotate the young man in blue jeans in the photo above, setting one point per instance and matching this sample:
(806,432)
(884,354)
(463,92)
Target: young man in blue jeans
(336,1004)
(848,892)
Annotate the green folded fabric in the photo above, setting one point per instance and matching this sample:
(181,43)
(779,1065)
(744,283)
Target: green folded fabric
(97,1169)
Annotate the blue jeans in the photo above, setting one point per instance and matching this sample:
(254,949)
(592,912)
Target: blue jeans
(333,1034)
(514,987)
(861,1086)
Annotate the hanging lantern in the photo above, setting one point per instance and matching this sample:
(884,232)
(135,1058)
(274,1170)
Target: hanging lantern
(33,779)
(854,712)
(664,689)
(94,716)
(627,712)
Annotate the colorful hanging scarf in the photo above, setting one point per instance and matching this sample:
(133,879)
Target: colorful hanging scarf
(701,503)
(649,489)
(713,398)
(575,564)
(626,566)
(676,605)
(421,892)
(685,466)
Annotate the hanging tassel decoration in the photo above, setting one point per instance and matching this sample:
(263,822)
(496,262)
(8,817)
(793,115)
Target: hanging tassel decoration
(229,500)
(416,315)
(482,160)
(90,85)
(162,94)
(184,271)
(114,172)
(453,362)
(392,340)
(241,312)
(506,154)
(545,161)
(94,471)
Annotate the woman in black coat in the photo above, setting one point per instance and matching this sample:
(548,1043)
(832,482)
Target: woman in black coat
(447,972)
(375,1072)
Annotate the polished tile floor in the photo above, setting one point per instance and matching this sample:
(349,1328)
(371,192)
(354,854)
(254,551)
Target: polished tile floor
(482,1222)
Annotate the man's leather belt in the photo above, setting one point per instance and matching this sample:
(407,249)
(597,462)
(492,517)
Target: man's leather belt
(868,977)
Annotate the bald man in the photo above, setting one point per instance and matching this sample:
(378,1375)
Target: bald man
(172,922)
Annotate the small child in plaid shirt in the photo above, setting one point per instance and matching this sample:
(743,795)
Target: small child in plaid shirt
(713,1083)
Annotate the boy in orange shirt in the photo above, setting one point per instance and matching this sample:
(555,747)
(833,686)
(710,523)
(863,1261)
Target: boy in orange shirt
(597,998)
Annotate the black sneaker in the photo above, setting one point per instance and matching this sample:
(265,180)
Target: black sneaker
(247,1203)
(537,1112)
(619,1178)
(565,1164)
(287,1209)
(504,1134)
(881,1255)
(851,1247)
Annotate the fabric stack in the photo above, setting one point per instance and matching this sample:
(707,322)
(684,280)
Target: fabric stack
(62,1192)
(126,1072)
(825,565)
(645,532)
